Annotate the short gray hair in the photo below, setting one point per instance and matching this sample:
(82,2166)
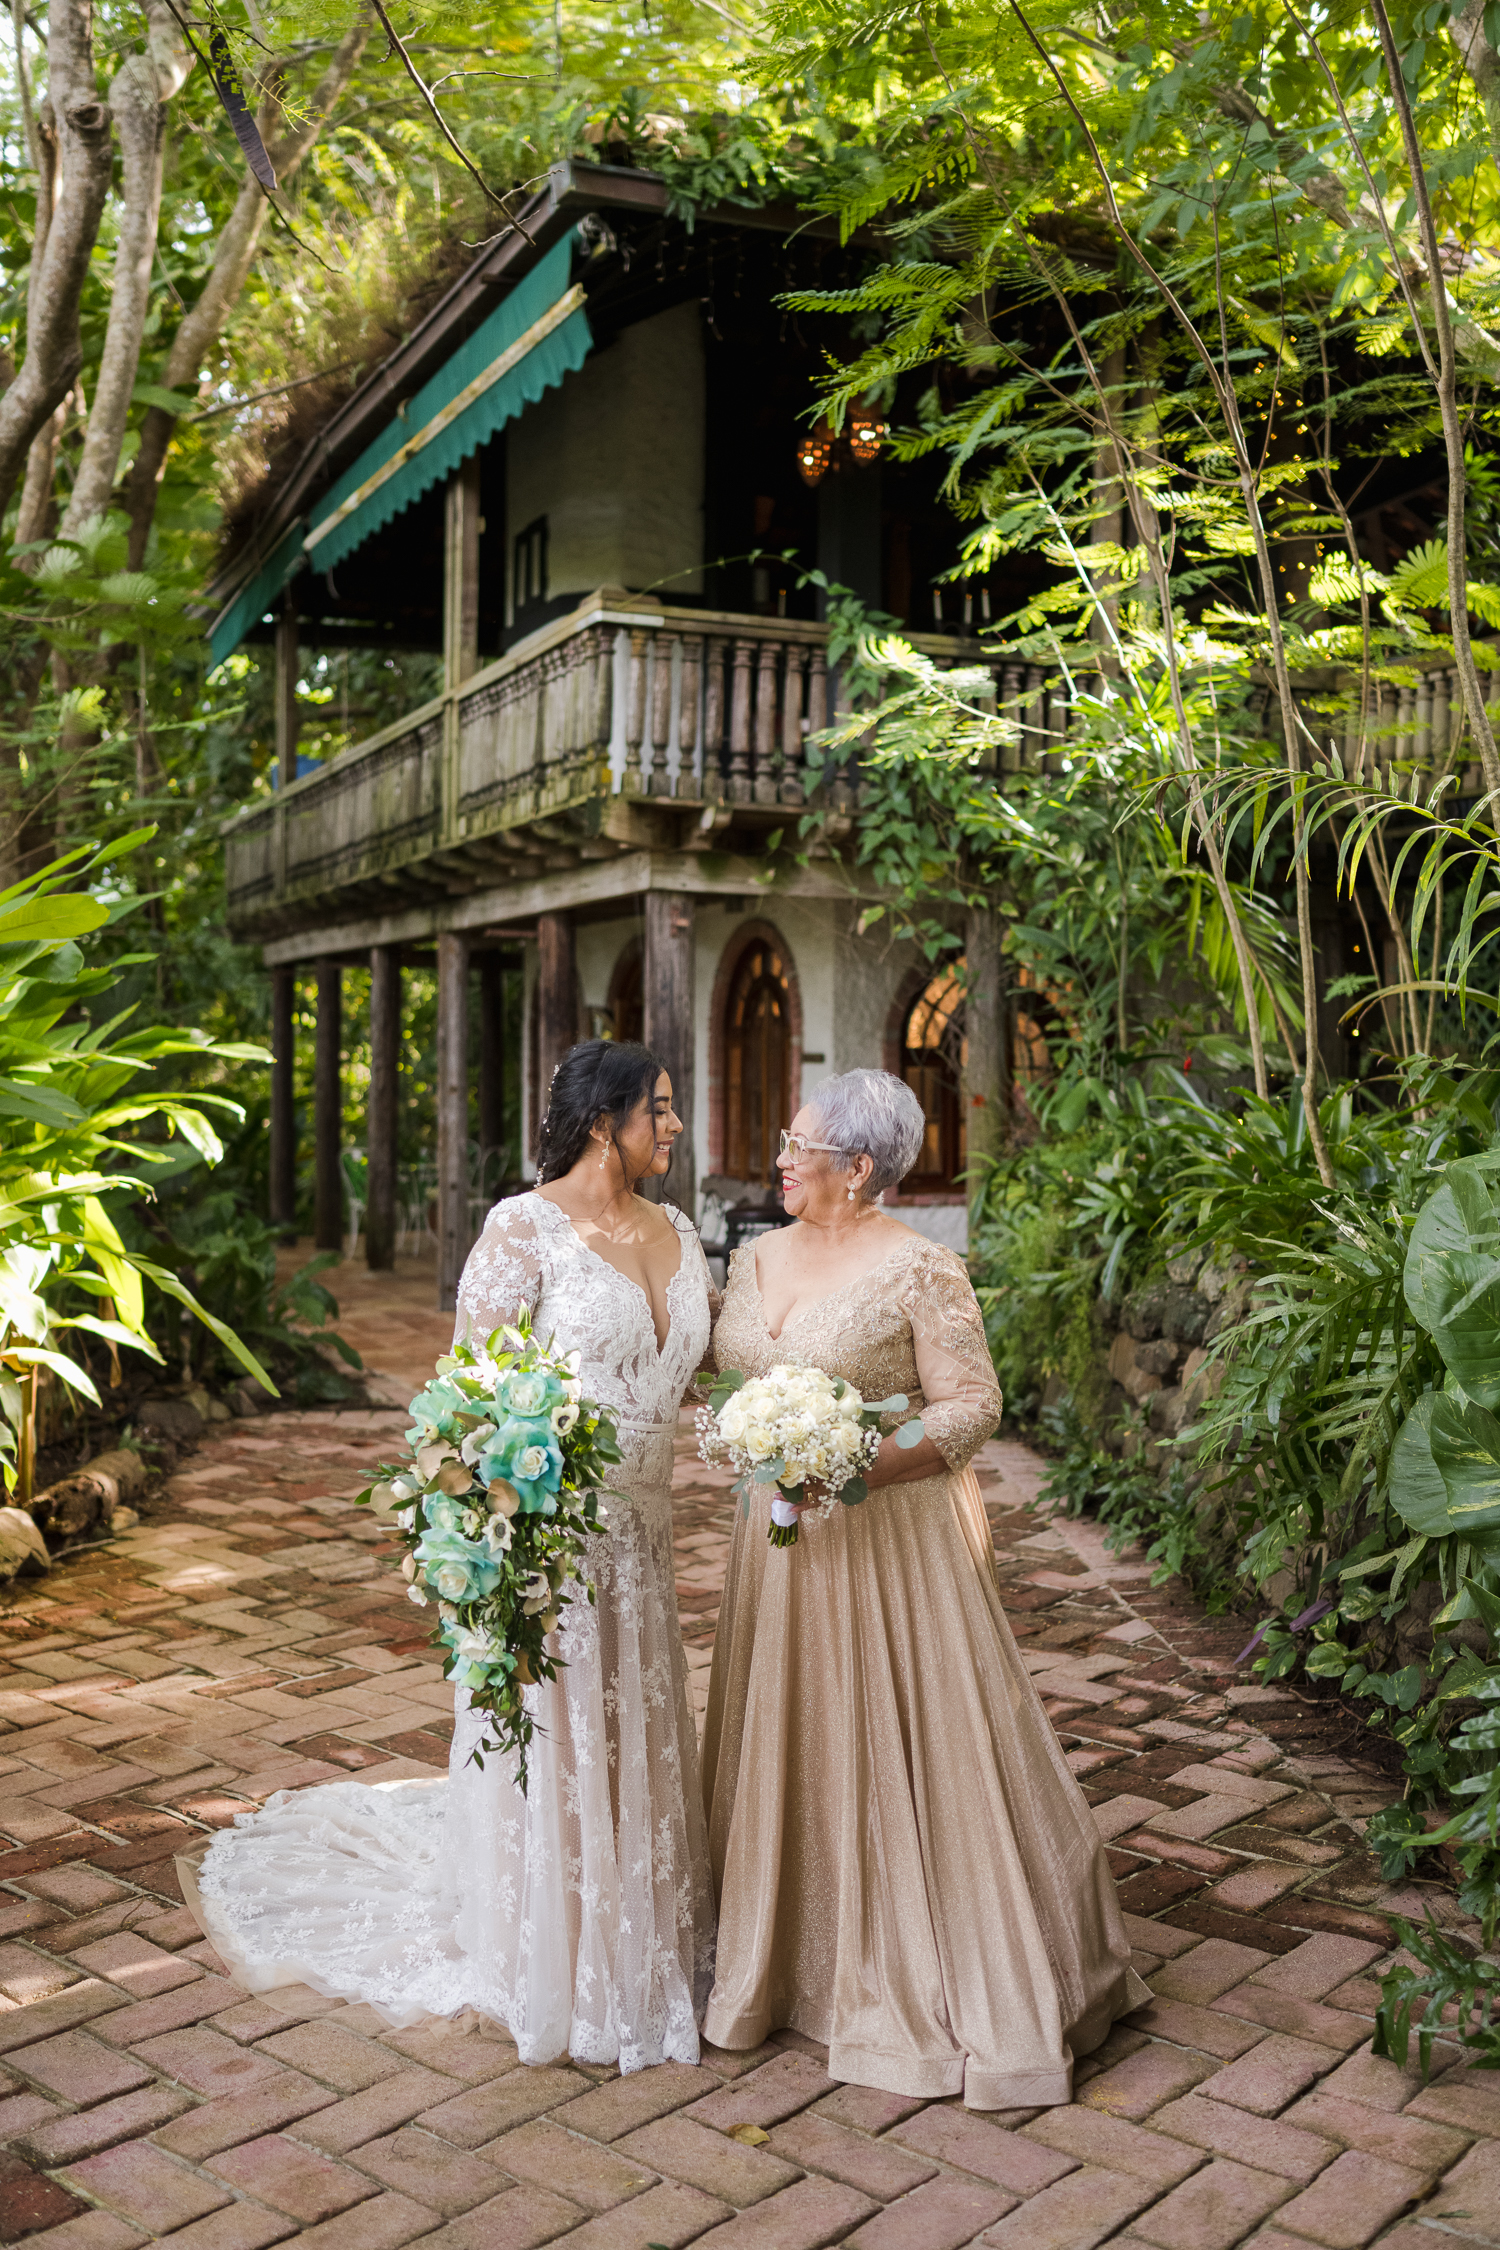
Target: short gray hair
(870,1113)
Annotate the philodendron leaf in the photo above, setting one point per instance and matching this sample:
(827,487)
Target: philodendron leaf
(1452,1279)
(1418,1493)
(1465,1442)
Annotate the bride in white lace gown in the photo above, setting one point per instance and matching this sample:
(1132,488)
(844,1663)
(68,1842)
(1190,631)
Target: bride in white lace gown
(579,1915)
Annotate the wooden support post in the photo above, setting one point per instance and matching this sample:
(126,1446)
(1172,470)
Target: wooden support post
(556,999)
(987,1071)
(461,575)
(668,1028)
(283,1154)
(328,1106)
(452,1115)
(286,698)
(492,1065)
(380,1146)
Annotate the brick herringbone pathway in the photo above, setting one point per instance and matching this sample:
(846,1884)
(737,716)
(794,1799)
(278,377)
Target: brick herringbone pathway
(248,1637)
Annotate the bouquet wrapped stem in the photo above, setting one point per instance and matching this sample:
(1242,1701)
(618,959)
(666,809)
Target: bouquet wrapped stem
(793,1427)
(495,1503)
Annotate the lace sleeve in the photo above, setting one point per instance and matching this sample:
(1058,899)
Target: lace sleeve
(954,1366)
(503,1273)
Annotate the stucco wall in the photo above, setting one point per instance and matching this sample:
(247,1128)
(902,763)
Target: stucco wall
(614,459)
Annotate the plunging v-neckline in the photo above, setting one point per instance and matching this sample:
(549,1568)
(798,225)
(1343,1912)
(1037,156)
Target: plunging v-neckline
(802,1310)
(660,1342)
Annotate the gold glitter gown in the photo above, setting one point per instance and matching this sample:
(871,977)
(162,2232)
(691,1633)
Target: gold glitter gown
(906,1868)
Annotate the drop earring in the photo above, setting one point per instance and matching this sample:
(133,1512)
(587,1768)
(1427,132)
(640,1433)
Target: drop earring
(603,1155)
(853,1192)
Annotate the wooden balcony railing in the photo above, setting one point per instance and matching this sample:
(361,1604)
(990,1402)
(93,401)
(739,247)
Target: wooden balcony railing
(515,769)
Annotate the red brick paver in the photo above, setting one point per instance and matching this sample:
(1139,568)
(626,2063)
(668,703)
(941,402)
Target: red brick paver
(250,1636)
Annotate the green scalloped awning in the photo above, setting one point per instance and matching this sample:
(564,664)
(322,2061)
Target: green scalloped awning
(525,347)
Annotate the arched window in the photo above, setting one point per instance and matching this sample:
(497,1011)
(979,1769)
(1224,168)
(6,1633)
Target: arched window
(757,1059)
(933,1053)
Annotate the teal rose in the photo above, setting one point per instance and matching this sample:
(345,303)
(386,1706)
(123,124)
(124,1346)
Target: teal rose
(525,1453)
(435,1411)
(528,1393)
(457,1569)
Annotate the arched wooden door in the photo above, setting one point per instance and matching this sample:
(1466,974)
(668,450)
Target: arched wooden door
(757,1058)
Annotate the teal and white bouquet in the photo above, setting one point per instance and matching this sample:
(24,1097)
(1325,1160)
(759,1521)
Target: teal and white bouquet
(508,1461)
(793,1427)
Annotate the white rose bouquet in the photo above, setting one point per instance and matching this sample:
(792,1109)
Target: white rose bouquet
(794,1427)
(501,1490)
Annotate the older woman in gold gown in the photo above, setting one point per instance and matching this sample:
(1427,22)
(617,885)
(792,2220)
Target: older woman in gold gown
(907,1871)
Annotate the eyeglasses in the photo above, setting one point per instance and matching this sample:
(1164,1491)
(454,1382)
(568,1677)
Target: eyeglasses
(798,1144)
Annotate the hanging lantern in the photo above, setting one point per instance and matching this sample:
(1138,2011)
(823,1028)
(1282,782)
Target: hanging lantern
(815,454)
(867,433)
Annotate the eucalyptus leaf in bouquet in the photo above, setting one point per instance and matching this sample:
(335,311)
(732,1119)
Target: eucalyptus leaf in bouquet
(507,1463)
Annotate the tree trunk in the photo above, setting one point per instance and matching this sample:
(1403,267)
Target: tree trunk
(79,127)
(234,256)
(141,88)
(1480,60)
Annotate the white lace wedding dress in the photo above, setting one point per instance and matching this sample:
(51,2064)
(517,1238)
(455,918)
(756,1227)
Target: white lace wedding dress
(580,1915)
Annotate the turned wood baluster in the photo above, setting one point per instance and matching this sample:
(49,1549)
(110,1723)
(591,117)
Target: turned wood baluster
(661,712)
(1422,745)
(739,726)
(792,779)
(1033,739)
(765,724)
(687,716)
(635,709)
(713,721)
(1405,715)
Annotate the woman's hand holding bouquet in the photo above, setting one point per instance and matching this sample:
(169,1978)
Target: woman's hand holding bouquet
(800,1430)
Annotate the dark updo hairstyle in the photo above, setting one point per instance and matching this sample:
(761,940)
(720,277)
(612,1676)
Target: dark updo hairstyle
(597,1078)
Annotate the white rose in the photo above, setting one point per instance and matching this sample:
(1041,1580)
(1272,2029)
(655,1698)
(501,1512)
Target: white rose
(851,1406)
(451,1580)
(402,1488)
(530,1462)
(846,1441)
(760,1443)
(475,1648)
(415,1594)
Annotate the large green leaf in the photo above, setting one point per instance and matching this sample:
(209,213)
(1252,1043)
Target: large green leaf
(1465,1442)
(1452,1279)
(1418,1493)
(44,921)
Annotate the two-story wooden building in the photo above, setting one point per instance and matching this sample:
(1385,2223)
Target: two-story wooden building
(580,479)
